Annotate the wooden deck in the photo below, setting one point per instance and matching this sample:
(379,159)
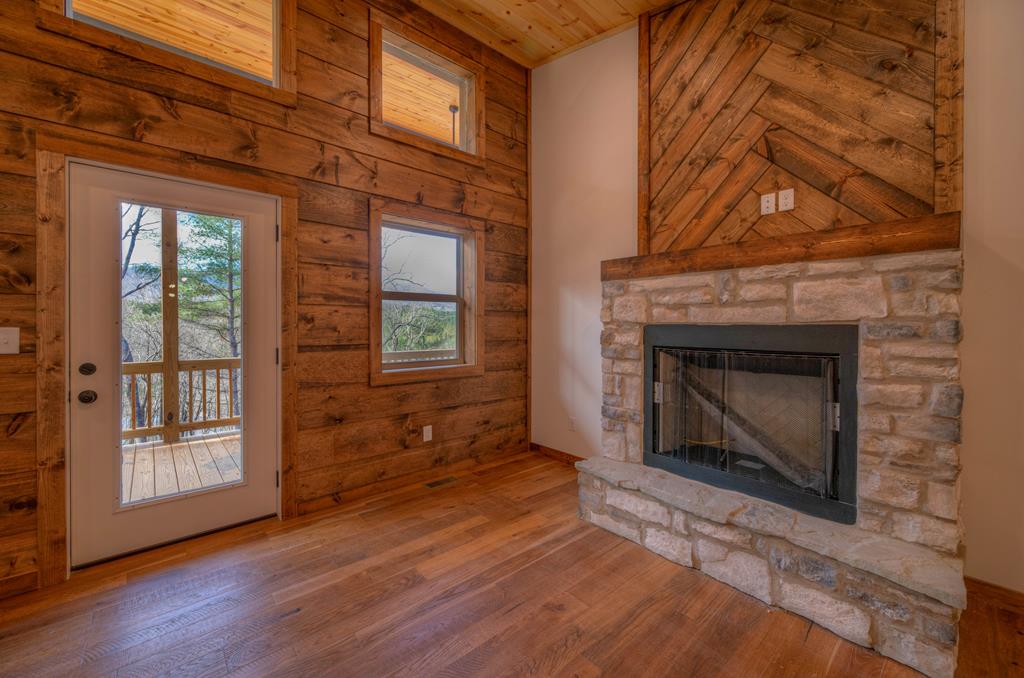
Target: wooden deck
(152,470)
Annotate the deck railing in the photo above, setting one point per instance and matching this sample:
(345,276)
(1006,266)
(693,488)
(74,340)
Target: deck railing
(209,394)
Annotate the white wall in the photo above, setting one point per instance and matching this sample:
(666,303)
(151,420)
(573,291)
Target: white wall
(993,313)
(584,183)
(584,133)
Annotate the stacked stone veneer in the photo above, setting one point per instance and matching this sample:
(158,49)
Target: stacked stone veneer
(894,580)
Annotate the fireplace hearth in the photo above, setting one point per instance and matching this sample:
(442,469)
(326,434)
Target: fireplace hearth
(769,411)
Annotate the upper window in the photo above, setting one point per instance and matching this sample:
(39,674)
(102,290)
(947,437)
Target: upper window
(237,35)
(423,93)
(427,293)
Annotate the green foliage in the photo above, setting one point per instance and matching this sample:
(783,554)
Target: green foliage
(418,326)
(210,287)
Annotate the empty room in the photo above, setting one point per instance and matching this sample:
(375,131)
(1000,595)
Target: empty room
(511,337)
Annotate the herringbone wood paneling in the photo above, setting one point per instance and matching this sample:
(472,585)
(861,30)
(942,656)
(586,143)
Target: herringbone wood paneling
(835,99)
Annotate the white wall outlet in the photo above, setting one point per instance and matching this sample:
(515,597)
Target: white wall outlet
(787,199)
(572,423)
(768,204)
(428,433)
(10,339)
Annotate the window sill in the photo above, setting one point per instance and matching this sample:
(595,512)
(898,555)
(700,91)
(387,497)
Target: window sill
(382,129)
(53,22)
(379,377)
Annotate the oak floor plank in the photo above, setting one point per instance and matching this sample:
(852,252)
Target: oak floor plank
(487,573)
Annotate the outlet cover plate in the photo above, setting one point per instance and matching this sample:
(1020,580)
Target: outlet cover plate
(10,339)
(787,200)
(428,433)
(768,204)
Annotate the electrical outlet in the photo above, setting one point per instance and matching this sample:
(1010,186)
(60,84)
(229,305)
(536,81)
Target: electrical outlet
(787,200)
(10,338)
(572,423)
(768,204)
(428,433)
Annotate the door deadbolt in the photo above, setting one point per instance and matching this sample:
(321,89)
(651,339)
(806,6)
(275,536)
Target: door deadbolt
(87,369)
(87,397)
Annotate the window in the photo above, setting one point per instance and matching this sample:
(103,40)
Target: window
(423,93)
(426,296)
(239,36)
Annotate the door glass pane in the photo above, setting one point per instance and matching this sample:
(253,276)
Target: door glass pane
(182,311)
(414,261)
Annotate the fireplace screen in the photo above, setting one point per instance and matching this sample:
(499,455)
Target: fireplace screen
(768,422)
(772,418)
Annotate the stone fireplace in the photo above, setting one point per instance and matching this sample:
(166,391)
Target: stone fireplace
(728,472)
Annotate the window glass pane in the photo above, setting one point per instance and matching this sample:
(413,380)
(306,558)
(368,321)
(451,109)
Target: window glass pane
(236,34)
(413,261)
(141,284)
(424,93)
(419,330)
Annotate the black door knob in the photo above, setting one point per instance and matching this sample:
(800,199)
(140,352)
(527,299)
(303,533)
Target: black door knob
(87,397)
(87,369)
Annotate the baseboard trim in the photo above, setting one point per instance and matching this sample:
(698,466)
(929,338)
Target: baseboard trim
(557,455)
(1000,596)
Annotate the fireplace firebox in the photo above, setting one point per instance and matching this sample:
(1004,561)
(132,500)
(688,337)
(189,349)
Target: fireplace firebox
(770,411)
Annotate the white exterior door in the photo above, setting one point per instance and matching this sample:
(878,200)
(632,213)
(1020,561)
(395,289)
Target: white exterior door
(173,336)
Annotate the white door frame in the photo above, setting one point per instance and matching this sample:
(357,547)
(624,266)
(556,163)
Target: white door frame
(69,367)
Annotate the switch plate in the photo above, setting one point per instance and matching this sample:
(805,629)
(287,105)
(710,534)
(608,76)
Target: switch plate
(572,423)
(428,433)
(768,204)
(787,200)
(10,340)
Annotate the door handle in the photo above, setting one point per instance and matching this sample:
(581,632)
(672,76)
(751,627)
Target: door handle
(87,397)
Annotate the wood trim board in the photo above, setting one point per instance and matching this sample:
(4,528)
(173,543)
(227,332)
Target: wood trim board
(557,455)
(643,226)
(939,231)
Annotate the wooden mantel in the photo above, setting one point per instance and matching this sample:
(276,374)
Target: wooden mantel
(931,232)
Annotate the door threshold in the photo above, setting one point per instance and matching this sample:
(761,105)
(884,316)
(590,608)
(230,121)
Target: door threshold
(126,554)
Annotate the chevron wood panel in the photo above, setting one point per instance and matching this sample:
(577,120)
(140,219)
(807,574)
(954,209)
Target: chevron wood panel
(835,98)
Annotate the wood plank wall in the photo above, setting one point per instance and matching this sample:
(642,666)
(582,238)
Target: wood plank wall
(352,438)
(840,101)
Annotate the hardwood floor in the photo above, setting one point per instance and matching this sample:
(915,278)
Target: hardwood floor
(151,470)
(487,572)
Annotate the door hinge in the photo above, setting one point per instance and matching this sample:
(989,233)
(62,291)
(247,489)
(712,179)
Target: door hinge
(277,232)
(277,479)
(832,414)
(277,356)
(659,392)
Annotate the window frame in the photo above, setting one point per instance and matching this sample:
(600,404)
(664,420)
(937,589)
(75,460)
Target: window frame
(53,17)
(469,299)
(381,23)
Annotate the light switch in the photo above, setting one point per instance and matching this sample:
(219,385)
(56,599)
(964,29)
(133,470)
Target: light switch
(787,200)
(428,433)
(768,204)
(10,339)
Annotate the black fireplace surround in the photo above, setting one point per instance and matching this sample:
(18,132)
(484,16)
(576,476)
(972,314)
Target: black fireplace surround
(767,410)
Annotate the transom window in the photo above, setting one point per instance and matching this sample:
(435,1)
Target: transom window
(237,35)
(427,293)
(423,93)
